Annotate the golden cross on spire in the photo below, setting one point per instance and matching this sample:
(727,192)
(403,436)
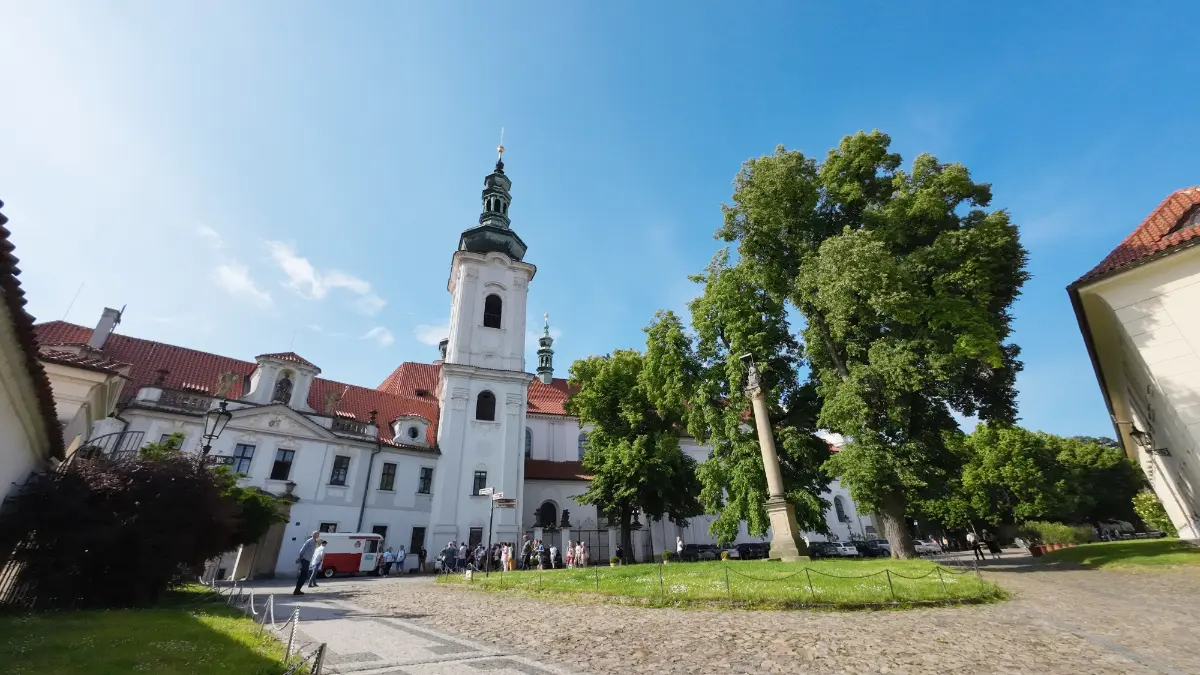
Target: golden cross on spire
(500,148)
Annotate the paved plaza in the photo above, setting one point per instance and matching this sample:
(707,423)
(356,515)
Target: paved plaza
(1059,621)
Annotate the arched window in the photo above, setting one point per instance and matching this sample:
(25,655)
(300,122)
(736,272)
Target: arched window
(492,309)
(547,515)
(583,438)
(485,406)
(283,389)
(528,442)
(840,507)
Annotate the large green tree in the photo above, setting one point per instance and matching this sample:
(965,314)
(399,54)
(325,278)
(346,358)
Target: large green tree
(633,449)
(700,372)
(904,283)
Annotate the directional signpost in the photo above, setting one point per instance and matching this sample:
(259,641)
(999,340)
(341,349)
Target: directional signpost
(492,505)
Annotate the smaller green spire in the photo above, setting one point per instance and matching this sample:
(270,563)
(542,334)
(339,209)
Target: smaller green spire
(545,354)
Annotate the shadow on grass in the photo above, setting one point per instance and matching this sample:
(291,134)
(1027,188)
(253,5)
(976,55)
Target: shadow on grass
(186,635)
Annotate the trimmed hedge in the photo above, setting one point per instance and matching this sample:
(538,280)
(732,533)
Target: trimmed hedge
(1056,533)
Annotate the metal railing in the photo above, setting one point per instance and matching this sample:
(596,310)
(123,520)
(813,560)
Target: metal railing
(119,445)
(185,401)
(296,661)
(350,427)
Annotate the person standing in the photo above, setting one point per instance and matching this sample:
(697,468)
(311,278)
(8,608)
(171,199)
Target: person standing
(304,560)
(553,556)
(421,555)
(462,556)
(526,552)
(389,559)
(400,556)
(679,548)
(973,542)
(993,544)
(317,559)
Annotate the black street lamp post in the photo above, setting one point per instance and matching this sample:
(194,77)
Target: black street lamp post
(214,423)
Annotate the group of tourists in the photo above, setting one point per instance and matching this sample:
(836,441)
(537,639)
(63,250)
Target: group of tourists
(389,559)
(530,554)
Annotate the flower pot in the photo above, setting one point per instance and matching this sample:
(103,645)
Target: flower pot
(1035,551)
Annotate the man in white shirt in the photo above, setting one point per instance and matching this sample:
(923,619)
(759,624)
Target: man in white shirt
(462,556)
(318,558)
(389,558)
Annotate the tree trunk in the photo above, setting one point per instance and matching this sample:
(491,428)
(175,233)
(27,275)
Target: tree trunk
(827,337)
(627,543)
(891,518)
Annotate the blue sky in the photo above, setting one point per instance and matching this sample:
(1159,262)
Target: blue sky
(254,177)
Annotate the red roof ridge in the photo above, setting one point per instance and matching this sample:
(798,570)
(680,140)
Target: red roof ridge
(1153,236)
(65,358)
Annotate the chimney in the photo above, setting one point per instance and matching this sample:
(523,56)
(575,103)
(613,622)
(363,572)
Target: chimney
(442,347)
(109,320)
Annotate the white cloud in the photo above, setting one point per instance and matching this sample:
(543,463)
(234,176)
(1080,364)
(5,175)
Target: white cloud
(236,281)
(304,278)
(210,236)
(432,334)
(315,327)
(382,336)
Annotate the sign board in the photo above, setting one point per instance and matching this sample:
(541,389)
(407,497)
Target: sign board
(483,492)
(497,496)
(505,503)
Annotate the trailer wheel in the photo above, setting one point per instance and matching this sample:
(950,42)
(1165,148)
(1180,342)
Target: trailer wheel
(328,572)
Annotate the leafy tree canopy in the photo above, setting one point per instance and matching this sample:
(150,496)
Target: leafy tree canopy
(633,448)
(701,373)
(904,282)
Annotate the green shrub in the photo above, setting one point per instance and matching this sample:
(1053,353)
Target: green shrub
(666,556)
(614,560)
(1056,533)
(1151,511)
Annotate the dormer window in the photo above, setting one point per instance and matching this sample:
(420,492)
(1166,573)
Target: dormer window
(413,433)
(283,389)
(410,430)
(1189,220)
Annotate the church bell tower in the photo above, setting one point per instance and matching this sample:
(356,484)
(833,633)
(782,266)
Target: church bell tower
(484,387)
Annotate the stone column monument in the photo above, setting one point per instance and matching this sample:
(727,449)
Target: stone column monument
(786,543)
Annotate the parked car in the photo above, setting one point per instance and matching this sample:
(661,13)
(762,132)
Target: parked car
(698,552)
(883,546)
(925,546)
(753,551)
(822,549)
(848,550)
(871,549)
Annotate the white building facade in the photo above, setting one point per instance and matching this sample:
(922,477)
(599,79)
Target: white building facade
(407,458)
(1139,312)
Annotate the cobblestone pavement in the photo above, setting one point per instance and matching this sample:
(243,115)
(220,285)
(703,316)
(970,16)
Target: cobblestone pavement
(1058,622)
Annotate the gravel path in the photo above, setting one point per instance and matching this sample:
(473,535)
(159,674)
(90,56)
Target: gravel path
(1059,622)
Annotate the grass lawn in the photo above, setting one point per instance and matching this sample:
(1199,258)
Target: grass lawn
(1136,553)
(758,584)
(184,635)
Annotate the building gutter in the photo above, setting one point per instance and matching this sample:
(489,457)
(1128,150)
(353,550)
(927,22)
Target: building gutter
(1089,342)
(362,510)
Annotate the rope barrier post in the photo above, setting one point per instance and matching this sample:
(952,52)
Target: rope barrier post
(811,592)
(661,591)
(291,638)
(942,581)
(890,587)
(728,589)
(596,568)
(319,663)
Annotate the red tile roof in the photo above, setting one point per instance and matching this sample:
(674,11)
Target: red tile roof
(410,390)
(409,378)
(191,368)
(1154,236)
(99,364)
(544,469)
(22,323)
(289,356)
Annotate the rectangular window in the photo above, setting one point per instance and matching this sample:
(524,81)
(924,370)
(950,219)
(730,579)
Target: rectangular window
(283,464)
(417,540)
(242,454)
(341,468)
(167,437)
(426,482)
(480,482)
(328,527)
(387,480)
(475,538)
(380,530)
